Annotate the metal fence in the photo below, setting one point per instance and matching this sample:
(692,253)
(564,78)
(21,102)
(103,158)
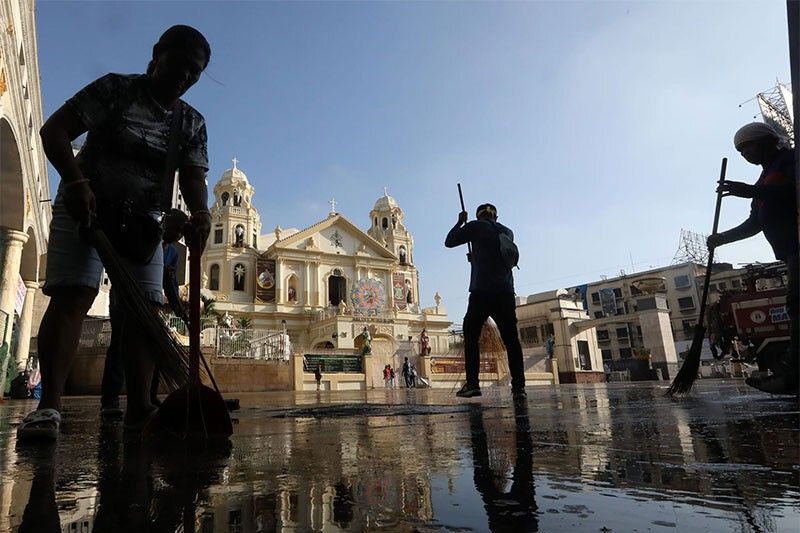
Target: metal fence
(253,344)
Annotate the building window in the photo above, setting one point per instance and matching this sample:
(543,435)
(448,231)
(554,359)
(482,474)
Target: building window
(598,314)
(602,335)
(617,293)
(620,311)
(736,283)
(712,287)
(375,222)
(239,277)
(225,198)
(255,240)
(722,285)
(213,278)
(529,335)
(606,355)
(686,303)
(595,297)
(682,281)
(238,235)
(385,223)
(584,356)
(625,353)
(635,291)
(218,236)
(688,326)
(622,333)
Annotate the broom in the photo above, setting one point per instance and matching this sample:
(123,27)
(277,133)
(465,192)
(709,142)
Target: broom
(686,376)
(169,355)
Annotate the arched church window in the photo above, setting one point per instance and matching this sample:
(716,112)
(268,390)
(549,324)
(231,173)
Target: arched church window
(225,198)
(337,287)
(239,275)
(213,278)
(402,253)
(238,233)
(385,223)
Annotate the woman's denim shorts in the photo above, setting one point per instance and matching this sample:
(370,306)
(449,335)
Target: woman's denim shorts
(74,263)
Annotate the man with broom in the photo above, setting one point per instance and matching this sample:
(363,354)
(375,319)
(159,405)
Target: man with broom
(773,211)
(491,289)
(137,124)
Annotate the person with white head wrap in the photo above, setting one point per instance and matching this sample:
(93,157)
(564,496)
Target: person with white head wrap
(773,211)
(755,131)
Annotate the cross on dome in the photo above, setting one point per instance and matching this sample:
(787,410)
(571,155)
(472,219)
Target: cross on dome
(234,163)
(386,191)
(333,205)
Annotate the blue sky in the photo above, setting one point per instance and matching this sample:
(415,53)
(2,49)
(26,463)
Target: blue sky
(596,128)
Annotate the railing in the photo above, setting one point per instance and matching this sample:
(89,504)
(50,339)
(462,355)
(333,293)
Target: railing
(356,314)
(95,333)
(253,344)
(333,363)
(455,365)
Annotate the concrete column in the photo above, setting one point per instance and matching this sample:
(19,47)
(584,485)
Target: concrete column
(279,281)
(657,332)
(24,325)
(11,243)
(307,287)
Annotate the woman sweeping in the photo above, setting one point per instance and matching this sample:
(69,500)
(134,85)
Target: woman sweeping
(135,124)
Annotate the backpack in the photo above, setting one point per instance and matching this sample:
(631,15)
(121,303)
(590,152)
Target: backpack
(509,252)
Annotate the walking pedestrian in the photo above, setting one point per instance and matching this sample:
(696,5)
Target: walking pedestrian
(387,377)
(391,376)
(491,295)
(773,211)
(413,376)
(407,372)
(318,375)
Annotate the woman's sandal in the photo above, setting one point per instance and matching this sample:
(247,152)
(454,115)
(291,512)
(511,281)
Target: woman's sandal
(40,424)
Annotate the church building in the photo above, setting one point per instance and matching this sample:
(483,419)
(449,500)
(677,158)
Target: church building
(323,284)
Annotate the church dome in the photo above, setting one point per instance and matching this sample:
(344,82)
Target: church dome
(385,203)
(233,176)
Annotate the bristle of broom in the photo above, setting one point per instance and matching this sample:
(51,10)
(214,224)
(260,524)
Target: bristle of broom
(687,375)
(171,357)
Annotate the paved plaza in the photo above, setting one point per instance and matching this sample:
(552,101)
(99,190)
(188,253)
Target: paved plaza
(617,457)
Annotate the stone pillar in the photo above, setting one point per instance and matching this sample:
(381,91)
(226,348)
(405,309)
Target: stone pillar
(24,326)
(657,333)
(279,281)
(11,243)
(307,287)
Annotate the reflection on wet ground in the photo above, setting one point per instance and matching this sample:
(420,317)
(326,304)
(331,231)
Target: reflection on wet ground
(617,457)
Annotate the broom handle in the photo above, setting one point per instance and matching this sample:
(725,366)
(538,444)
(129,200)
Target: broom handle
(469,244)
(707,281)
(194,309)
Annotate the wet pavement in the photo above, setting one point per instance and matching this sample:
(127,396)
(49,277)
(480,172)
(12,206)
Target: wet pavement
(617,457)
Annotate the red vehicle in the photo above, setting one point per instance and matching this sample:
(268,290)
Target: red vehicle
(758,318)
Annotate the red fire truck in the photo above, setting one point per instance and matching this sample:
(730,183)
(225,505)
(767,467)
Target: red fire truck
(759,319)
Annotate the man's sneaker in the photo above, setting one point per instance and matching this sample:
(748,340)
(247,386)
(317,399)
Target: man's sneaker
(519,394)
(111,411)
(468,391)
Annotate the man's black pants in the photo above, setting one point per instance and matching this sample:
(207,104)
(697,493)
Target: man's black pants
(502,308)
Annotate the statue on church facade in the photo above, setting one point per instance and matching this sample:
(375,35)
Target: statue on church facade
(424,343)
(366,347)
(437,298)
(237,198)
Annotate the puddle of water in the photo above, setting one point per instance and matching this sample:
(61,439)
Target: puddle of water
(584,458)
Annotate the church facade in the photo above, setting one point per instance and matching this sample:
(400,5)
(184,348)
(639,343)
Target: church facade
(325,284)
